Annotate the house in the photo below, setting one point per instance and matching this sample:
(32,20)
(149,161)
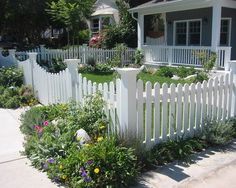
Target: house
(105,13)
(189,27)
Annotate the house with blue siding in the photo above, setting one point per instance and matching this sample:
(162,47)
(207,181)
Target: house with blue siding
(174,31)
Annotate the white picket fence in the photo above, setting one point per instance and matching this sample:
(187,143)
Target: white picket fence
(81,52)
(184,55)
(170,112)
(151,113)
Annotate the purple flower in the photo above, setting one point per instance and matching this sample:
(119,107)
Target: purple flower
(84,174)
(87,179)
(51,161)
(89,162)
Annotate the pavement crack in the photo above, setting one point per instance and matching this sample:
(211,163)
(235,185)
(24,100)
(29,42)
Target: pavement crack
(9,161)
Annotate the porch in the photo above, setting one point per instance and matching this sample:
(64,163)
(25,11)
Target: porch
(184,55)
(186,28)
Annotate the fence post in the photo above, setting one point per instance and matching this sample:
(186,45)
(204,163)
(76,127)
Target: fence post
(170,55)
(233,102)
(12,53)
(227,58)
(72,65)
(127,102)
(32,59)
(42,52)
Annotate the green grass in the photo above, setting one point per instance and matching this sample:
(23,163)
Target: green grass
(101,78)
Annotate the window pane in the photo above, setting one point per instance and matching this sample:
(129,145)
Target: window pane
(224,35)
(194,32)
(181,33)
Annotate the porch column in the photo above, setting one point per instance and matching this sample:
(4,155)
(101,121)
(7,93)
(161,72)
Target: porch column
(100,24)
(216,25)
(140,30)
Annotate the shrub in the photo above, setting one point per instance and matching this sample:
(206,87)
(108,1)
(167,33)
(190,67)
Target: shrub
(138,57)
(200,77)
(102,164)
(39,114)
(175,150)
(104,68)
(11,77)
(217,132)
(183,72)
(165,72)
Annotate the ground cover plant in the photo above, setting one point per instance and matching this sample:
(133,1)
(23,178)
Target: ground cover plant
(13,93)
(91,159)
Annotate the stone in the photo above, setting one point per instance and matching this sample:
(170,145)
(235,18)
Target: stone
(82,136)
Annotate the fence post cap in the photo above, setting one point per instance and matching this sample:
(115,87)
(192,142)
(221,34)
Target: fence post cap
(72,60)
(32,53)
(123,71)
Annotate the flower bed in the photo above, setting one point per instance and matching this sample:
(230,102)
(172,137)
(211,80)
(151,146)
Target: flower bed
(71,144)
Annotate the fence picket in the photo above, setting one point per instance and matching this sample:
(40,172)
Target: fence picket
(148,115)
(164,111)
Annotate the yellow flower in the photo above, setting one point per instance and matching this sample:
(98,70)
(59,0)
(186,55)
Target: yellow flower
(64,177)
(102,127)
(86,145)
(100,139)
(78,138)
(96,170)
(60,167)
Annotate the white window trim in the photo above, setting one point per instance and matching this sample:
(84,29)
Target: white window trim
(187,39)
(230,28)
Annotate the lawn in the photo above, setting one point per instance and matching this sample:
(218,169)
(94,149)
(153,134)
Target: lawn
(153,78)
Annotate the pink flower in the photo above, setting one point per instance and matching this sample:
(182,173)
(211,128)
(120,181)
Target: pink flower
(45,123)
(38,129)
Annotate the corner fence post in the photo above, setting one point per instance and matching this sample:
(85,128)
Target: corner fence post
(72,65)
(128,102)
(12,53)
(233,103)
(32,60)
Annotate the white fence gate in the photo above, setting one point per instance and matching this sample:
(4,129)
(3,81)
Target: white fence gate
(151,113)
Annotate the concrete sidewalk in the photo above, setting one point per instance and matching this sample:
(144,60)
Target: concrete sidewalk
(213,168)
(15,170)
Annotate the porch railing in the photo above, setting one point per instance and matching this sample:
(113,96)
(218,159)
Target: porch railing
(184,55)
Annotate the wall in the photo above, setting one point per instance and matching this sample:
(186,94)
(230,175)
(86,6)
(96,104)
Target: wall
(187,15)
(231,13)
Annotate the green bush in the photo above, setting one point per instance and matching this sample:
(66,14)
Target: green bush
(138,57)
(11,77)
(166,72)
(104,68)
(169,151)
(183,72)
(217,132)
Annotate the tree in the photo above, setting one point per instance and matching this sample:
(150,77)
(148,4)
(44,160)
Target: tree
(125,31)
(71,13)
(24,18)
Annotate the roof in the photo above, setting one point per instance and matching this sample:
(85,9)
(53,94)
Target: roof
(160,6)
(105,7)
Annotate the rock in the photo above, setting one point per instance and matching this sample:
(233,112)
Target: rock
(175,77)
(82,136)
(191,76)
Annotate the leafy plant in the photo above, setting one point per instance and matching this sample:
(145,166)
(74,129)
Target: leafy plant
(183,72)
(217,132)
(11,76)
(138,57)
(165,72)
(175,150)
(207,61)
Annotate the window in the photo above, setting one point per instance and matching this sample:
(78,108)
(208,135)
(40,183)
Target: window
(188,33)
(95,25)
(225,32)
